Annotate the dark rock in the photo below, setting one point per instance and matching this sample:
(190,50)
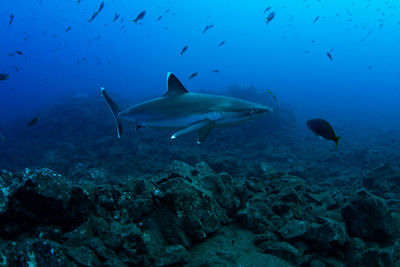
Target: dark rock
(33,252)
(377,258)
(175,255)
(289,195)
(293,229)
(330,235)
(282,250)
(44,198)
(367,217)
(281,208)
(83,256)
(260,238)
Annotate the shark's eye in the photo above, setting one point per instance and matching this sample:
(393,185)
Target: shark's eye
(252,112)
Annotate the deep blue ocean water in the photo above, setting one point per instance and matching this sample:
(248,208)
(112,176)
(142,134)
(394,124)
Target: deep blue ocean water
(360,86)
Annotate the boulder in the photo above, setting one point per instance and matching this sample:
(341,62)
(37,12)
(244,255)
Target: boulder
(367,217)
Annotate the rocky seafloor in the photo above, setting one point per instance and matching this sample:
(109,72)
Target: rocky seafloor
(267,193)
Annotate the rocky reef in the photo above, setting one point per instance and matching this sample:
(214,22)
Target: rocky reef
(193,216)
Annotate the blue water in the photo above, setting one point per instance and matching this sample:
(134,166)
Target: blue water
(361,86)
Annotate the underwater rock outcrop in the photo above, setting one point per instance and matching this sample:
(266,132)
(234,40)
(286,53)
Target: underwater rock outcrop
(191,215)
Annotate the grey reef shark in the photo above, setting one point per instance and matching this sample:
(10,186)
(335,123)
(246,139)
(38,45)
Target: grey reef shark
(186,112)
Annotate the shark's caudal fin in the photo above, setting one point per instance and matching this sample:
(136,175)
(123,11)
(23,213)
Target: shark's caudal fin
(174,86)
(114,109)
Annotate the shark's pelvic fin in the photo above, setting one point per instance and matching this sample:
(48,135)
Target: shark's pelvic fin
(114,109)
(193,127)
(203,133)
(174,86)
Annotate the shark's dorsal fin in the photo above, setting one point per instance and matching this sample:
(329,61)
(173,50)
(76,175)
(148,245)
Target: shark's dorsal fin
(174,86)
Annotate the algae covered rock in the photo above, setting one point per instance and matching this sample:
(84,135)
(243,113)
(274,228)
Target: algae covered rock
(367,217)
(43,198)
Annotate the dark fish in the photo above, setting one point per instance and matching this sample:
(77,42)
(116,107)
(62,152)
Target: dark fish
(267,9)
(100,7)
(166,11)
(97,12)
(270,17)
(33,122)
(216,71)
(4,76)
(16,68)
(11,19)
(221,43)
(19,52)
(140,16)
(184,49)
(323,129)
(160,17)
(329,55)
(116,16)
(208,27)
(271,94)
(68,29)
(315,20)
(194,74)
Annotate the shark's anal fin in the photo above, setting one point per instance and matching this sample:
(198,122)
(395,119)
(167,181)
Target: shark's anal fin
(114,109)
(174,86)
(203,133)
(193,127)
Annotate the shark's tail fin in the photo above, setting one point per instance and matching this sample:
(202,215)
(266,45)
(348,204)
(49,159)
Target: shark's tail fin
(114,109)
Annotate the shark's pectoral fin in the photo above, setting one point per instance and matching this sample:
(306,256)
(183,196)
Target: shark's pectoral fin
(192,127)
(203,133)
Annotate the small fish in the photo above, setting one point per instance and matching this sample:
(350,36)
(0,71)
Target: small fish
(166,11)
(216,71)
(116,16)
(11,19)
(194,74)
(160,17)
(140,16)
(97,12)
(68,29)
(270,17)
(323,129)
(271,94)
(267,9)
(316,18)
(4,76)
(19,52)
(370,67)
(221,43)
(208,27)
(33,122)
(16,68)
(329,55)
(100,7)
(184,49)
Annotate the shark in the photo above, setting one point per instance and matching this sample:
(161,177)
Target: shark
(185,111)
